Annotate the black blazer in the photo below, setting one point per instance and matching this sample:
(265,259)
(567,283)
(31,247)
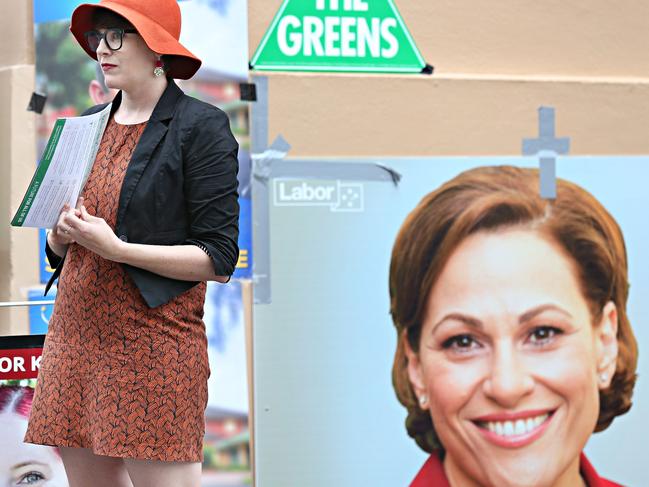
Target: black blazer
(180,187)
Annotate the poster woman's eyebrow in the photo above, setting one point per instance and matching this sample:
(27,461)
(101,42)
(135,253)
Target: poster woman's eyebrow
(466,319)
(34,462)
(528,315)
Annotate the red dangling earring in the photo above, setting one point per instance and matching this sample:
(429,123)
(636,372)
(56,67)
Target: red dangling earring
(158,70)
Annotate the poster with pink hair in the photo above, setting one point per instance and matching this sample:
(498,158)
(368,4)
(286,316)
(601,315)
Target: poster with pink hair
(23,463)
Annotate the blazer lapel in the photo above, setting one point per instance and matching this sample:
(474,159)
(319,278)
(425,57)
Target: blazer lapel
(153,133)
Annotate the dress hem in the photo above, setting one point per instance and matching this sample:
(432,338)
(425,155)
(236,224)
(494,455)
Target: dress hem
(126,454)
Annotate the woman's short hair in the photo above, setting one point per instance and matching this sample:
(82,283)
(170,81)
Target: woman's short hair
(489,198)
(102,18)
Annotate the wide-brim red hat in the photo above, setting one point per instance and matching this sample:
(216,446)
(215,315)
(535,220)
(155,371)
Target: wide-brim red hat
(157,21)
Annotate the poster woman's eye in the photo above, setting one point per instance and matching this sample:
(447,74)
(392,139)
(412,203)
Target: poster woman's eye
(31,478)
(460,343)
(544,334)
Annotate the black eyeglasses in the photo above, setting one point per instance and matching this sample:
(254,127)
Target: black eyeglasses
(113,38)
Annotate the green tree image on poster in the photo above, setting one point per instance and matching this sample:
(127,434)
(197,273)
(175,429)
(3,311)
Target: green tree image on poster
(338,35)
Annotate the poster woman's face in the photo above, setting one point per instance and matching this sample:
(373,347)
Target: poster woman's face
(511,362)
(25,464)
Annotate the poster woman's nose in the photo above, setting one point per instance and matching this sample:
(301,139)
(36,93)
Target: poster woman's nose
(508,379)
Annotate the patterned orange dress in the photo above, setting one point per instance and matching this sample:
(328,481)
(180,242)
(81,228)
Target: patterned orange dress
(116,376)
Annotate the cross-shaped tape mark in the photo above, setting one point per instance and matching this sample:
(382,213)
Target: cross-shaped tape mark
(547,146)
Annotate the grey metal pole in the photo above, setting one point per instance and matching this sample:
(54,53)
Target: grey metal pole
(9,304)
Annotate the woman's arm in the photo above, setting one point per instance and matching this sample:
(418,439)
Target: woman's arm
(184,262)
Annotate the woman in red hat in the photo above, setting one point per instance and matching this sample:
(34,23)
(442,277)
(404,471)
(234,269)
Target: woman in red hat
(122,386)
(514,343)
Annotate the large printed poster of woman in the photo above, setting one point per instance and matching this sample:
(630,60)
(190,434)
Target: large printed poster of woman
(23,463)
(72,83)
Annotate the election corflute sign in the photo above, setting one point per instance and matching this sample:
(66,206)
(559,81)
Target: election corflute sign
(338,35)
(20,356)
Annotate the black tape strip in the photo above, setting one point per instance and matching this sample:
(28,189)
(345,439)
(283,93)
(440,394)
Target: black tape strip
(248,91)
(21,341)
(37,103)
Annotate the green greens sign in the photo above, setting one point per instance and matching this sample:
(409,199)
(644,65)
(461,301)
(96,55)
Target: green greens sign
(338,35)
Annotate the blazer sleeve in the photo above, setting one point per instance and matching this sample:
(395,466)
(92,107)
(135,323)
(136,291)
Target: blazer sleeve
(53,258)
(210,185)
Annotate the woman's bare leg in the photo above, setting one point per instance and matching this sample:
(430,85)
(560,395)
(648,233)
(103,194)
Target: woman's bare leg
(84,468)
(154,473)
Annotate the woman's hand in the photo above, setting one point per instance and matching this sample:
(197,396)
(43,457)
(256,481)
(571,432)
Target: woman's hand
(58,238)
(92,232)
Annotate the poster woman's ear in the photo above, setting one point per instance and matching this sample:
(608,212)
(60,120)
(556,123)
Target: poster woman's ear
(606,345)
(415,373)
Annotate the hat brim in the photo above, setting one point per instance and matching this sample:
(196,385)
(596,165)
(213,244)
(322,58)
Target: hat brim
(182,64)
